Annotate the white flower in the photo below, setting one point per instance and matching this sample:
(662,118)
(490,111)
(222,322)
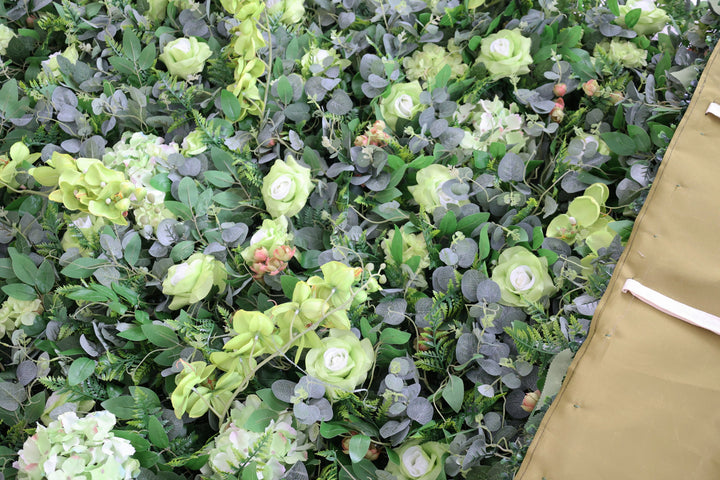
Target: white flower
(335,358)
(522,278)
(415,461)
(281,187)
(501,46)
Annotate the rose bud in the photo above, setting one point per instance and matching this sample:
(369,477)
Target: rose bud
(558,112)
(616,97)
(559,89)
(530,400)
(361,141)
(590,87)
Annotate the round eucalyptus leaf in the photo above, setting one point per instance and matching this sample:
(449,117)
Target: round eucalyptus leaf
(443,277)
(420,409)
(523,368)
(493,421)
(394,383)
(466,347)
(283,390)
(488,291)
(511,380)
(486,390)
(511,168)
(340,103)
(466,250)
(469,284)
(448,257)
(391,427)
(26,372)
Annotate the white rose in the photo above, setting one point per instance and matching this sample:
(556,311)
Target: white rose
(522,278)
(335,359)
(404,106)
(281,187)
(415,461)
(501,46)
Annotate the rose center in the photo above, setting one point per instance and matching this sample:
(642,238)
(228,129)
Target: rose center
(183,45)
(502,47)
(335,358)
(404,105)
(281,187)
(416,462)
(181,272)
(522,278)
(645,5)
(259,236)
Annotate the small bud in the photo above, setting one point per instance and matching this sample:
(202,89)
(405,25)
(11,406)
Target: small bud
(361,141)
(616,97)
(530,400)
(558,112)
(559,89)
(260,255)
(590,87)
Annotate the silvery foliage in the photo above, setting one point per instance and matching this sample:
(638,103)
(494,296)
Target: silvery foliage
(434,124)
(465,453)
(400,390)
(307,397)
(377,73)
(602,19)
(368,164)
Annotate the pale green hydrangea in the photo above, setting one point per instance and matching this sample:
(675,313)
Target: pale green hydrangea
(77,448)
(6,34)
(623,52)
(318,60)
(15,313)
(425,64)
(273,447)
(493,122)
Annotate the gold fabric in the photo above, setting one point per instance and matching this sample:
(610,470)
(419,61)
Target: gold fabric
(641,399)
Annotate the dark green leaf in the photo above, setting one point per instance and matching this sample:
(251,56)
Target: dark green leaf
(288,283)
(131,45)
(157,434)
(80,370)
(484,243)
(131,253)
(469,223)
(147,57)
(20,291)
(285,90)
(182,250)
(448,224)
(46,277)
(122,407)
(393,336)
(333,429)
(188,191)
(396,247)
(619,143)
(161,182)
(219,179)
(613,6)
(24,268)
(82,267)
(632,17)
(179,209)
(160,335)
(133,333)
(641,138)
(231,105)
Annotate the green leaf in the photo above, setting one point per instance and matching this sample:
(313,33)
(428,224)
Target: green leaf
(333,429)
(134,334)
(396,247)
(188,191)
(131,45)
(364,470)
(453,392)
(359,445)
(619,143)
(448,224)
(122,65)
(131,252)
(147,57)
(421,162)
(288,283)
(182,250)
(137,440)
(249,471)
(160,335)
(367,330)
(484,243)
(660,134)
(45,278)
(157,434)
(613,6)
(442,77)
(161,182)
(632,17)
(474,42)
(20,291)
(87,295)
(123,407)
(393,336)
(285,90)
(397,176)
(24,268)
(231,106)
(469,223)
(640,137)
(179,209)
(260,419)
(549,254)
(127,293)
(82,267)
(6,271)
(80,370)
(219,179)
(663,64)
(538,237)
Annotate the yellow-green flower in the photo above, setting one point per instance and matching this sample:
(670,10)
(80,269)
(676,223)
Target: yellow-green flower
(16,313)
(286,188)
(428,192)
(522,277)
(419,461)
(292,11)
(342,361)
(413,245)
(185,56)
(19,153)
(506,53)
(6,34)
(192,280)
(652,18)
(402,102)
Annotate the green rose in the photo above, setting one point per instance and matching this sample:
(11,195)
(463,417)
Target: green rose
(185,56)
(156,10)
(342,361)
(652,19)
(506,53)
(428,192)
(6,34)
(419,461)
(192,280)
(292,10)
(623,52)
(286,188)
(522,277)
(402,102)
